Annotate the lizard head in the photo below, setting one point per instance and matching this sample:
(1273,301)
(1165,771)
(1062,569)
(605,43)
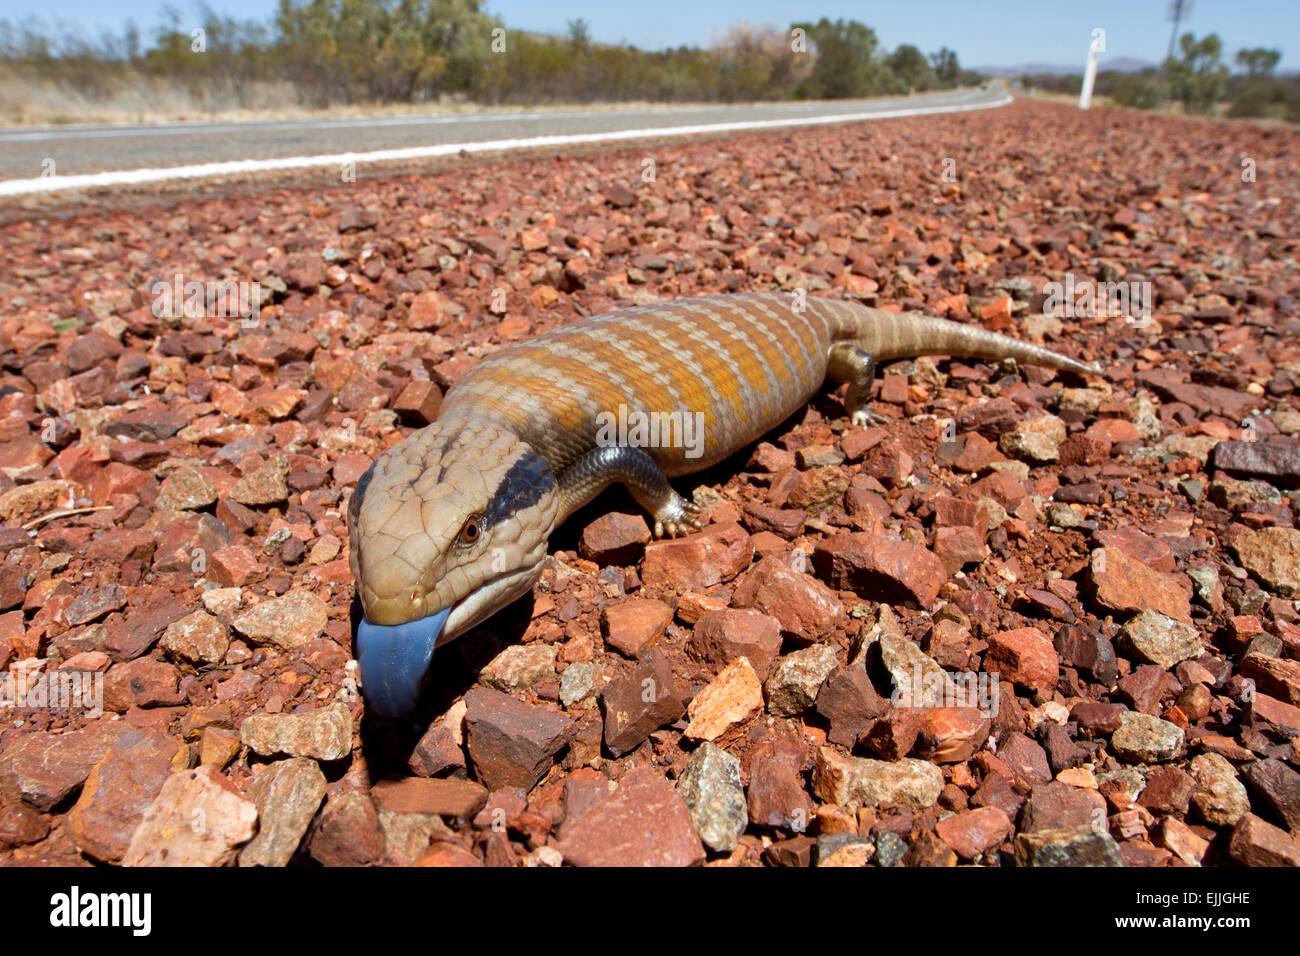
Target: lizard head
(446,528)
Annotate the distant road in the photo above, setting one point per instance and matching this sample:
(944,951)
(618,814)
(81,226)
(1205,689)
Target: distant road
(106,155)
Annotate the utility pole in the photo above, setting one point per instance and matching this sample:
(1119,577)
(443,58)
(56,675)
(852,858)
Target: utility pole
(1177,10)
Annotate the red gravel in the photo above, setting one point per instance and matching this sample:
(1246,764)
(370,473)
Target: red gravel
(1125,556)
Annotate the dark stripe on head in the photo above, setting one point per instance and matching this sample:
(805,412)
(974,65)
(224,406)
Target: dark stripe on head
(522,487)
(354,503)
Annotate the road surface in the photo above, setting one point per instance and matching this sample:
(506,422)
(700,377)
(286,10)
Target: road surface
(43,159)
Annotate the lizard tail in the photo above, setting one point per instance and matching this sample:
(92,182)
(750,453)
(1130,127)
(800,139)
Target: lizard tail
(892,335)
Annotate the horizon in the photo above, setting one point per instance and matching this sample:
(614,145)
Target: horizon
(1054,36)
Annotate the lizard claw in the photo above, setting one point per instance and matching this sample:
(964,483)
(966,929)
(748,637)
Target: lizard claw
(678,518)
(864,417)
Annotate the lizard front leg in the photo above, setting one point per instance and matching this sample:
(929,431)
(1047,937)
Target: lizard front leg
(633,468)
(853,364)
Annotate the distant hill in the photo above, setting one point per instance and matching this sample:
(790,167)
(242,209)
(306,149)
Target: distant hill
(1119,64)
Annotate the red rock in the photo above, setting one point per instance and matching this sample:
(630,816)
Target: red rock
(22,457)
(776,796)
(1026,760)
(857,442)
(1269,710)
(927,850)
(1054,805)
(640,703)
(1182,841)
(725,703)
(349,468)
(971,455)
(950,512)
(1256,842)
(888,464)
(805,608)
(995,791)
(1025,657)
(20,826)
(234,566)
(1089,651)
(1168,790)
(349,833)
(436,752)
(1274,676)
(13,587)
(797,851)
(120,789)
(958,547)
(447,854)
(786,522)
(1125,585)
(1145,687)
(143,682)
(885,569)
(94,605)
(644,823)
(1082,449)
(699,560)
(1112,430)
(42,770)
(614,538)
(636,626)
(460,799)
(186,543)
(974,832)
(426,311)
(721,636)
(1278,786)
(511,744)
(848,702)
(1152,552)
(151,423)
(116,479)
(893,736)
(418,403)
(951,734)
(119,545)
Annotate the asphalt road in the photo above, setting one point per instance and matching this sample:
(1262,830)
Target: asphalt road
(78,150)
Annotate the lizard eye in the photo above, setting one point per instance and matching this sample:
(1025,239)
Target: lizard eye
(471,530)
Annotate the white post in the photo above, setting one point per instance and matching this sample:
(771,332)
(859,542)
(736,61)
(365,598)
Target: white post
(1097,47)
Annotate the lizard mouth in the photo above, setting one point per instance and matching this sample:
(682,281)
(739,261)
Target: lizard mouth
(395,659)
(487,598)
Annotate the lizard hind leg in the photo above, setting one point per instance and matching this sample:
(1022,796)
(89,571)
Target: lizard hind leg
(641,475)
(853,364)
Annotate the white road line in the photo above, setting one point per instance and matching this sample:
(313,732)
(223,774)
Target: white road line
(18,187)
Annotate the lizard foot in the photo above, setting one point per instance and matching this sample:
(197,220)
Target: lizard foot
(678,517)
(864,417)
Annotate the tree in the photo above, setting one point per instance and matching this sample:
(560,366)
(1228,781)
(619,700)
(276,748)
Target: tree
(1198,78)
(846,64)
(912,69)
(1258,62)
(946,67)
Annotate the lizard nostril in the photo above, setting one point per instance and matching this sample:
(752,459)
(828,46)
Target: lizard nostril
(416,598)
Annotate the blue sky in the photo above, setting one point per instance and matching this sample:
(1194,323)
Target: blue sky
(983,32)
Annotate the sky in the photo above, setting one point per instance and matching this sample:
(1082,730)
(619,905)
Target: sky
(982,32)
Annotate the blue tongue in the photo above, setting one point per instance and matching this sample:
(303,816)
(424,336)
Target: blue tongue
(394,661)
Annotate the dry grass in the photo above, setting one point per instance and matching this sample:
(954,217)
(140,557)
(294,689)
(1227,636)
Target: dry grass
(25,101)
